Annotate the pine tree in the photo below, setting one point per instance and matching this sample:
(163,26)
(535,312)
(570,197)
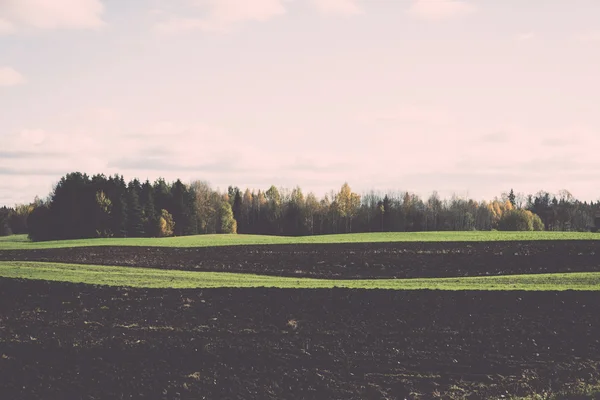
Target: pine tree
(135,214)
(512,198)
(150,217)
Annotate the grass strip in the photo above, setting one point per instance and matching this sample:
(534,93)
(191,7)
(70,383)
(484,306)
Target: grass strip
(160,278)
(21,242)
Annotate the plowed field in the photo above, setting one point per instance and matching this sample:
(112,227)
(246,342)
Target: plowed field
(72,341)
(355,260)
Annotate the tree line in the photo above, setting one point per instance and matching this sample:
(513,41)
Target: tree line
(81,206)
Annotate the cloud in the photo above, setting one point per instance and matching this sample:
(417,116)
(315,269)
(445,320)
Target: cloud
(159,164)
(17,155)
(435,10)
(337,7)
(223,15)
(18,15)
(495,137)
(10,77)
(95,114)
(555,142)
(6,27)
(525,36)
(313,164)
(409,113)
(32,171)
(592,36)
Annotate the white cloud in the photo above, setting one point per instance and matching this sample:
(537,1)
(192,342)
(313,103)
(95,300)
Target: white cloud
(525,36)
(409,113)
(95,114)
(337,7)
(589,36)
(45,14)
(6,27)
(222,15)
(10,77)
(440,9)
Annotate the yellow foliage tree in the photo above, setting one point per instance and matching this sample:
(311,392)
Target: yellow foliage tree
(347,204)
(498,209)
(166,224)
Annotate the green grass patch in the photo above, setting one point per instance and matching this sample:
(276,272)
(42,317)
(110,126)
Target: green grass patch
(20,242)
(160,278)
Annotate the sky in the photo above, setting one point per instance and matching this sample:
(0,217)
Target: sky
(468,97)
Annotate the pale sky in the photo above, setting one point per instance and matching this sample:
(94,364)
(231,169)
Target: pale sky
(470,97)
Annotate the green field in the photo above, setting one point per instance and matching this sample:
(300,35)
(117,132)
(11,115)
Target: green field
(160,278)
(20,242)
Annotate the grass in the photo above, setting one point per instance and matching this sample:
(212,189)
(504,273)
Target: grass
(20,242)
(160,278)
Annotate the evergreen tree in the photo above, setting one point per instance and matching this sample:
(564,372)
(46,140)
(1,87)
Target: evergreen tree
(150,216)
(135,214)
(183,210)
(512,198)
(40,224)
(118,196)
(162,196)
(4,221)
(237,208)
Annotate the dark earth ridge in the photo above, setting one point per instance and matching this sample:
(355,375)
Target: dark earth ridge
(74,341)
(348,260)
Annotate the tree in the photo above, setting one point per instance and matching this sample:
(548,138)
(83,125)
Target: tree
(166,224)
(183,210)
(135,213)
(117,193)
(73,208)
(228,223)
(162,195)
(236,207)
(538,224)
(150,218)
(102,215)
(347,204)
(516,220)
(311,209)
(512,198)
(40,223)
(520,220)
(273,209)
(204,206)
(17,219)
(246,213)
(4,221)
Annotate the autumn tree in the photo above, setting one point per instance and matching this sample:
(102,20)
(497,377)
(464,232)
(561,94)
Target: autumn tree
(204,204)
(347,204)
(166,224)
(228,223)
(311,208)
(274,209)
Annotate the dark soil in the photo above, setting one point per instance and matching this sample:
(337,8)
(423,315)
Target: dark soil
(367,260)
(68,341)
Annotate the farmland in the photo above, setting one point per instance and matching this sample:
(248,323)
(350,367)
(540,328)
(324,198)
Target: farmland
(20,242)
(169,279)
(455,315)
